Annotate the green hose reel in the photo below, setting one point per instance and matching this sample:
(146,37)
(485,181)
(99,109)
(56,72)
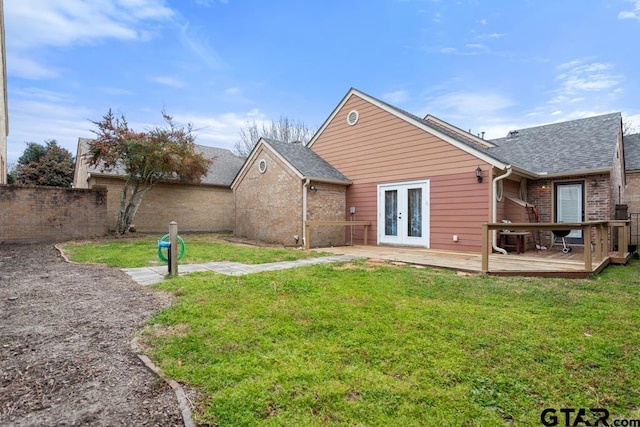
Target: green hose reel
(164,243)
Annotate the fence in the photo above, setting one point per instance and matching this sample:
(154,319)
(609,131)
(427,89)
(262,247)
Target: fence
(40,214)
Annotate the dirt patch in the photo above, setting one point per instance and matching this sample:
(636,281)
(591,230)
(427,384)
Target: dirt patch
(351,266)
(65,344)
(250,242)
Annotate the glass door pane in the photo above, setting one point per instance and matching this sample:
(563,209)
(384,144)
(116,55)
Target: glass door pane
(569,205)
(391,212)
(414,200)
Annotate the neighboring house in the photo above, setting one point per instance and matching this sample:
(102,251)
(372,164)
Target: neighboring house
(207,206)
(280,186)
(632,193)
(4,112)
(424,182)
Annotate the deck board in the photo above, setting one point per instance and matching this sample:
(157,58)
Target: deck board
(532,263)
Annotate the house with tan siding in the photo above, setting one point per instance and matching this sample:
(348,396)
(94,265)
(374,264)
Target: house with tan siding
(205,206)
(424,182)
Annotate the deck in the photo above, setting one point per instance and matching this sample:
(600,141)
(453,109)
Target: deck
(549,263)
(582,261)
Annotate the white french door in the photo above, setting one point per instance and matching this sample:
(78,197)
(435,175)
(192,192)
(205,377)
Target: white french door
(403,213)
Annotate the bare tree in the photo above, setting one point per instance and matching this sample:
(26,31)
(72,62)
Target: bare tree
(285,130)
(629,129)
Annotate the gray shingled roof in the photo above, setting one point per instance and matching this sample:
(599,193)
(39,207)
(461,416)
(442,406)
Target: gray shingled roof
(632,152)
(569,147)
(222,171)
(306,161)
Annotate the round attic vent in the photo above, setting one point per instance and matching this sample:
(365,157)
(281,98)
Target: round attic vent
(352,117)
(262,166)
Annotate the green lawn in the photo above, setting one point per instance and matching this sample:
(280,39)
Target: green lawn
(142,251)
(355,344)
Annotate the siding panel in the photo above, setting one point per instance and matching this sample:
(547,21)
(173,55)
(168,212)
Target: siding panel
(382,148)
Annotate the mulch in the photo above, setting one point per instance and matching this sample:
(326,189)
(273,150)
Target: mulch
(65,344)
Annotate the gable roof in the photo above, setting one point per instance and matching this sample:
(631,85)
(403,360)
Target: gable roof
(221,172)
(577,146)
(574,147)
(451,134)
(632,152)
(303,161)
(307,162)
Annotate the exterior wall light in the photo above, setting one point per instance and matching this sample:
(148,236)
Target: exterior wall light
(313,188)
(479,174)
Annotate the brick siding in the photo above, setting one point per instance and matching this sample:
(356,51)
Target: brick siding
(598,204)
(269,205)
(40,214)
(193,207)
(632,200)
(632,192)
(328,203)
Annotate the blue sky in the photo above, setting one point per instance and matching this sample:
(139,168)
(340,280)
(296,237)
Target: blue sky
(488,66)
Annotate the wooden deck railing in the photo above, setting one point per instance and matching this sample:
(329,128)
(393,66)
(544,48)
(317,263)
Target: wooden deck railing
(308,224)
(602,244)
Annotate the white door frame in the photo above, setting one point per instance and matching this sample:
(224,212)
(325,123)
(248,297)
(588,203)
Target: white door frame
(402,236)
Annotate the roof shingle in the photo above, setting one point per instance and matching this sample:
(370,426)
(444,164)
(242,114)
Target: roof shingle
(306,161)
(221,172)
(575,146)
(632,152)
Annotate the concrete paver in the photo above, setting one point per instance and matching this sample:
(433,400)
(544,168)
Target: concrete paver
(150,275)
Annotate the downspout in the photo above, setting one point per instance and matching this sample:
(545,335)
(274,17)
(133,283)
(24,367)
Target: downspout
(305,187)
(494,209)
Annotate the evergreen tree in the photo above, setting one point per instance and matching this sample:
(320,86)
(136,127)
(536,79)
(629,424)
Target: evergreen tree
(47,164)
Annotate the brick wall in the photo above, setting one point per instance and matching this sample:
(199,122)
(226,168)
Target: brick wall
(632,193)
(40,214)
(269,205)
(193,207)
(327,203)
(632,200)
(598,203)
(617,177)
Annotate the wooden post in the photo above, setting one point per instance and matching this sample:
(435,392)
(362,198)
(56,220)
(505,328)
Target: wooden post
(586,238)
(485,248)
(623,244)
(173,252)
(599,245)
